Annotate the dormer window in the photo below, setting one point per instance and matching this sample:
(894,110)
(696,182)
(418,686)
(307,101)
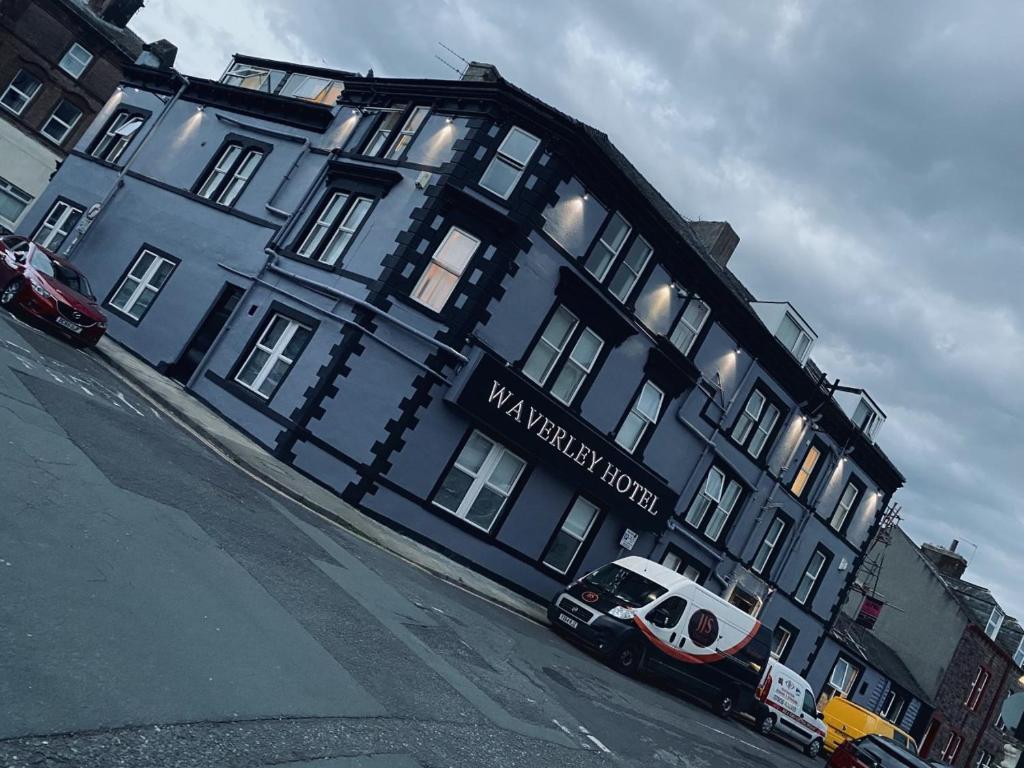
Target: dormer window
(1018,655)
(867,418)
(794,337)
(995,622)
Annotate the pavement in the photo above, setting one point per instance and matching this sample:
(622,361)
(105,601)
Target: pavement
(172,596)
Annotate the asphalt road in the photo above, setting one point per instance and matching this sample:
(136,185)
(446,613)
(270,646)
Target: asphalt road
(160,608)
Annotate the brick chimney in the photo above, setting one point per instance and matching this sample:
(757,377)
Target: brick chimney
(478,70)
(718,237)
(116,12)
(158,55)
(948,561)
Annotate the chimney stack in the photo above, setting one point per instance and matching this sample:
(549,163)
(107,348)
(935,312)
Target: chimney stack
(482,72)
(116,12)
(948,561)
(718,237)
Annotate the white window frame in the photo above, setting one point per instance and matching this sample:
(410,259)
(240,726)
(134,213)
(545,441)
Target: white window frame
(984,759)
(780,652)
(343,215)
(1018,655)
(26,96)
(647,420)
(556,348)
(951,751)
(436,263)
(809,578)
(768,545)
(407,132)
(978,687)
(481,478)
(891,698)
(297,81)
(868,423)
(995,622)
(242,72)
(519,166)
(610,249)
(144,283)
(754,426)
(633,271)
(714,504)
(17,194)
(68,127)
(684,334)
(847,681)
(230,174)
(118,135)
(381,138)
(580,541)
(572,363)
(275,353)
(802,344)
(846,506)
(75,54)
(55,224)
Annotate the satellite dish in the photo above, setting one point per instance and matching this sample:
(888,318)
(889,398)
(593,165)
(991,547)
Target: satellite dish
(1013,710)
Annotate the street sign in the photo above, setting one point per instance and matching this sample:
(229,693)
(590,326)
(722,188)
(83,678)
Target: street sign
(1013,711)
(628,539)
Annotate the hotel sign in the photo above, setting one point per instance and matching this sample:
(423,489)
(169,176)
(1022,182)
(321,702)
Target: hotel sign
(530,421)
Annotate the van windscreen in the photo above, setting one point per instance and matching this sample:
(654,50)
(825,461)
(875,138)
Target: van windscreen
(629,587)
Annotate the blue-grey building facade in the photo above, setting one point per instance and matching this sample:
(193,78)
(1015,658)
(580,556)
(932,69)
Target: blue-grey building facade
(470,316)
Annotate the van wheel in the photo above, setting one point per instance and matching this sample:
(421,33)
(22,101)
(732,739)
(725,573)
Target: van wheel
(628,657)
(813,749)
(725,703)
(766,724)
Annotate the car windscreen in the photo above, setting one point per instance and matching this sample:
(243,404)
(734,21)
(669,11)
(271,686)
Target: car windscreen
(625,585)
(73,280)
(889,754)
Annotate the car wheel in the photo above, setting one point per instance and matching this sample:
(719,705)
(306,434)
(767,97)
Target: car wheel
(766,724)
(725,703)
(10,293)
(628,657)
(813,749)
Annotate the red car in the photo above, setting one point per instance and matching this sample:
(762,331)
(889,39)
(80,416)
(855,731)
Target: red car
(49,289)
(873,752)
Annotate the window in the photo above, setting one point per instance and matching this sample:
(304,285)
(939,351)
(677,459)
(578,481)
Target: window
(782,641)
(866,418)
(480,481)
(806,473)
(629,271)
(769,545)
(675,561)
(549,349)
(336,226)
(995,622)
(142,284)
(984,759)
(75,60)
(756,423)
(509,162)
(405,136)
(847,503)
(449,261)
(1018,655)
(13,201)
(112,142)
(319,89)
(843,676)
(273,355)
(977,689)
(645,411)
(794,337)
(812,575)
(606,249)
(689,325)
(61,219)
(253,78)
(712,507)
(21,90)
(63,118)
(668,613)
(892,706)
(952,748)
(225,181)
(570,537)
(382,135)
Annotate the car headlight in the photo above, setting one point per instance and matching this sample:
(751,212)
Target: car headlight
(621,612)
(40,289)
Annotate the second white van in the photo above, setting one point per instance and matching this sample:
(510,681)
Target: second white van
(789,708)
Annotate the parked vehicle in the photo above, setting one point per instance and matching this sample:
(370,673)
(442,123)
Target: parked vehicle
(874,752)
(790,708)
(640,615)
(846,720)
(49,289)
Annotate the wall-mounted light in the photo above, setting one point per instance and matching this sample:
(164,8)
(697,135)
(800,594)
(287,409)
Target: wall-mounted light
(201,108)
(678,289)
(586,195)
(738,351)
(448,120)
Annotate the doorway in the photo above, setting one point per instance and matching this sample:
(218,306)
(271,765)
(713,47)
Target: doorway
(201,341)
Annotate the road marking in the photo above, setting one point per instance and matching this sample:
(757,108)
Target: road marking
(562,727)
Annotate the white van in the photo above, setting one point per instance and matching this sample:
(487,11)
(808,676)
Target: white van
(640,615)
(789,708)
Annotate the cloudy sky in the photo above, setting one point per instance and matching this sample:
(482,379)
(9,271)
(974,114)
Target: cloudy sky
(869,154)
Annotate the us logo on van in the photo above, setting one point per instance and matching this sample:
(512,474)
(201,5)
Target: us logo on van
(703,628)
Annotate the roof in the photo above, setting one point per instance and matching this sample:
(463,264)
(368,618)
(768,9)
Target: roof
(122,38)
(864,644)
(289,66)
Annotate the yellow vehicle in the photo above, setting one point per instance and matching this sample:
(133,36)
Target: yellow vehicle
(846,720)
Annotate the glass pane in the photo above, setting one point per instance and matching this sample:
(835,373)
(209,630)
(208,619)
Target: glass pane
(274,332)
(475,451)
(336,247)
(755,404)
(253,366)
(67,112)
(638,254)
(500,177)
(333,208)
(248,164)
(416,119)
(695,314)
(568,381)
(586,349)
(615,233)
(456,250)
(485,508)
(138,309)
(228,157)
(519,146)
(622,283)
(142,265)
(453,489)
(539,363)
(714,484)
(630,431)
(163,271)
(562,552)
(277,372)
(698,510)
(742,428)
(682,337)
(561,324)
(504,475)
(599,260)
(435,287)
(297,342)
(579,519)
(357,213)
(124,293)
(649,402)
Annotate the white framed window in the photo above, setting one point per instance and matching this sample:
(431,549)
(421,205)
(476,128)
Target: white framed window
(891,706)
(480,481)
(229,175)
(630,270)
(689,325)
(309,88)
(952,748)
(782,639)
(1018,655)
(842,678)
(253,78)
(509,162)
(769,545)
(977,689)
(382,135)
(712,507)
(335,228)
(273,355)
(606,250)
(867,418)
(577,367)
(118,135)
(675,562)
(645,411)
(846,504)
(756,423)
(59,222)
(75,60)
(13,201)
(62,120)
(143,283)
(548,352)
(794,337)
(549,347)
(571,536)
(408,131)
(984,759)
(449,261)
(812,574)
(20,91)
(995,622)
(806,471)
